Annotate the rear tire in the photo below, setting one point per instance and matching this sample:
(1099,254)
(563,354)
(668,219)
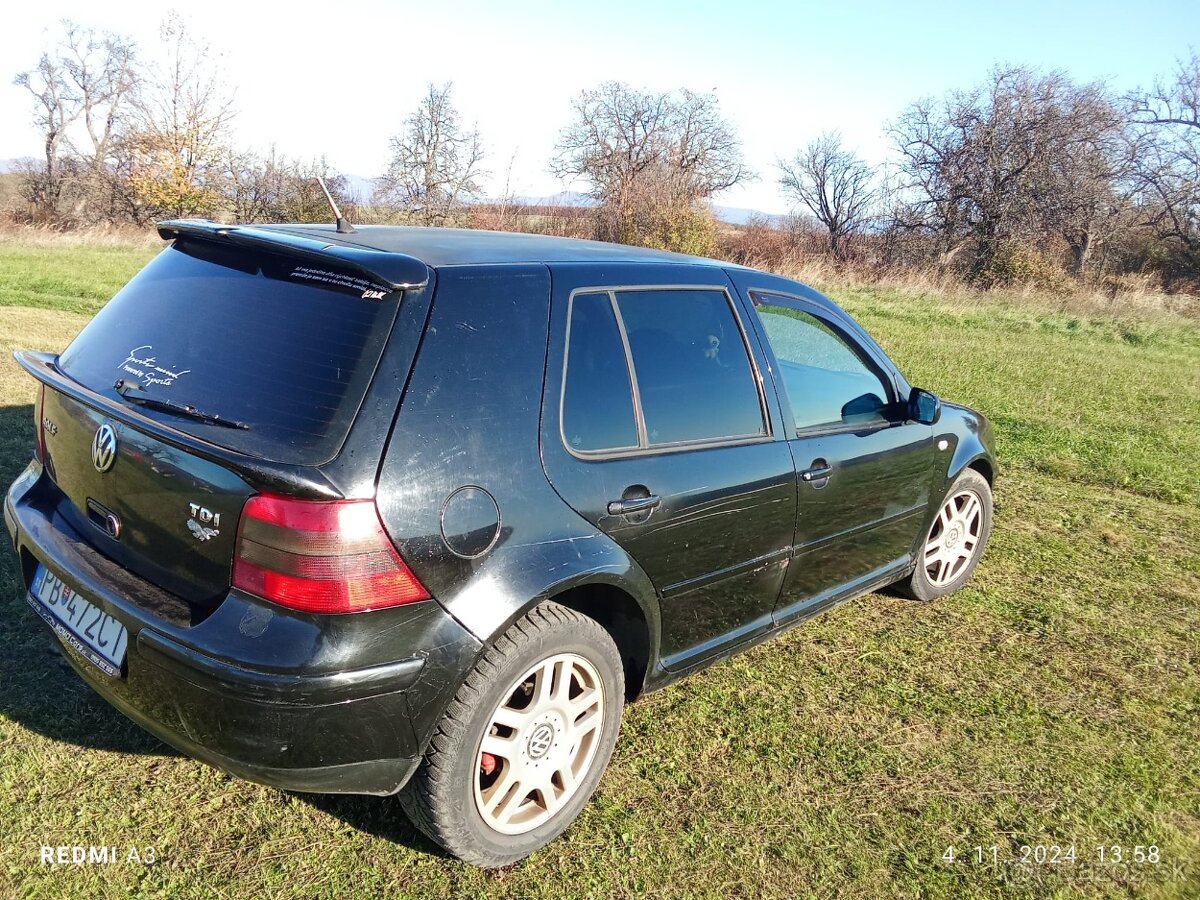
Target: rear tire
(523,744)
(955,541)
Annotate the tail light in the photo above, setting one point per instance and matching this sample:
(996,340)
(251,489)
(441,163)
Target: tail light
(39,447)
(322,557)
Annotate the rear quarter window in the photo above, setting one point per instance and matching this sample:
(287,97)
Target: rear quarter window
(597,410)
(286,346)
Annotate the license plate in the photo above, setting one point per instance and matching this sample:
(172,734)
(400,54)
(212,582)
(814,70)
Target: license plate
(86,628)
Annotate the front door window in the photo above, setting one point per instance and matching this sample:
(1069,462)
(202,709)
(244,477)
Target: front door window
(827,383)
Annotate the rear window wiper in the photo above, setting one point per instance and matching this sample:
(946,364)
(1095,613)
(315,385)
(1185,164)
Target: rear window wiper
(130,389)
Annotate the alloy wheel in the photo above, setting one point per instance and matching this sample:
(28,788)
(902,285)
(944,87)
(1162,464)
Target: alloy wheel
(539,744)
(954,538)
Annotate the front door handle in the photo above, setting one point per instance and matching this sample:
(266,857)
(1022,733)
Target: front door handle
(633,505)
(818,472)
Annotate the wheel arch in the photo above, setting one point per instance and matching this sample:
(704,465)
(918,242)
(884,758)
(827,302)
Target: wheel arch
(551,555)
(625,605)
(984,467)
(972,438)
(618,613)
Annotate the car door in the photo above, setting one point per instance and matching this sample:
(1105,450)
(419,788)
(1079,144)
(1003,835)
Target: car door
(657,430)
(864,469)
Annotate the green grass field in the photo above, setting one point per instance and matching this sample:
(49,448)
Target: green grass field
(1055,701)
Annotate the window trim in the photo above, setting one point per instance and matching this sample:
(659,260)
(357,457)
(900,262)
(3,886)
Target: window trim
(758,297)
(562,393)
(644,447)
(639,418)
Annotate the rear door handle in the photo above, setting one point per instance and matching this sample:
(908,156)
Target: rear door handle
(816,473)
(633,505)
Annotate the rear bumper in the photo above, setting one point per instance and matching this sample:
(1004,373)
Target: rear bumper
(337,704)
(257,739)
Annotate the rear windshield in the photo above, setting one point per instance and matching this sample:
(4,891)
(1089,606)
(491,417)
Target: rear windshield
(283,345)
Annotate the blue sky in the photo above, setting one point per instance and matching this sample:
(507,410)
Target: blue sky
(784,72)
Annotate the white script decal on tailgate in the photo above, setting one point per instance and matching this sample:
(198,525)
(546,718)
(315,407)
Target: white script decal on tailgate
(142,364)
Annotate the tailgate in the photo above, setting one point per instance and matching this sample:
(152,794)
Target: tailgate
(159,511)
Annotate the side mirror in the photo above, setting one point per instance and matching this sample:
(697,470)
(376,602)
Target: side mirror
(924,406)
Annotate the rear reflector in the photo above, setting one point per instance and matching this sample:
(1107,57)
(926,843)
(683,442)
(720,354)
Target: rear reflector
(319,556)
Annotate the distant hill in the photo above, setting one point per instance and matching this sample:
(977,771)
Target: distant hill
(740,215)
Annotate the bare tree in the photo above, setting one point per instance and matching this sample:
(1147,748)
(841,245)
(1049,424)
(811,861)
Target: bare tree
(103,73)
(645,155)
(1168,160)
(618,133)
(836,186)
(969,160)
(1024,156)
(436,162)
(173,159)
(705,149)
(103,70)
(55,109)
(87,85)
(933,150)
(1174,102)
(1081,183)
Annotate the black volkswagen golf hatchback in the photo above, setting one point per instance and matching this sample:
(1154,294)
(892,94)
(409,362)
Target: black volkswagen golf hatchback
(418,511)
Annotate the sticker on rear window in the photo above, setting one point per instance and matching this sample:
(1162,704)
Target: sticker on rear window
(360,287)
(143,364)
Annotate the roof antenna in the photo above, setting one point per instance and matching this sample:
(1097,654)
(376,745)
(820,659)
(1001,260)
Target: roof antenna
(343,226)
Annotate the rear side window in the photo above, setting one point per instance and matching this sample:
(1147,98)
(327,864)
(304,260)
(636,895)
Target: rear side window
(690,360)
(286,346)
(692,381)
(597,411)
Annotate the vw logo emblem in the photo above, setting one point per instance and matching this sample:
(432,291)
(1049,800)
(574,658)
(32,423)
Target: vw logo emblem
(104,448)
(540,740)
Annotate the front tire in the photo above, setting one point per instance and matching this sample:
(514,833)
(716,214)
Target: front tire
(522,746)
(955,541)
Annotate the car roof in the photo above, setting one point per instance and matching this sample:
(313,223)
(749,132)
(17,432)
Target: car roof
(437,247)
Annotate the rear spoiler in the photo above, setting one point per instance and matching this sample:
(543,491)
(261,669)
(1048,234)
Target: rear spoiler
(396,270)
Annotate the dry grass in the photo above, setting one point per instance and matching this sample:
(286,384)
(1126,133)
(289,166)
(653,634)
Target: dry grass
(92,236)
(1127,296)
